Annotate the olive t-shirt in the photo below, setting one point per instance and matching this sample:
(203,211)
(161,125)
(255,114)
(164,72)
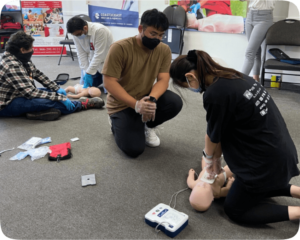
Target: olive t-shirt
(136,69)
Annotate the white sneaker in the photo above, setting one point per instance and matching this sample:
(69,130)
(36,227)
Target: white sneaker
(152,140)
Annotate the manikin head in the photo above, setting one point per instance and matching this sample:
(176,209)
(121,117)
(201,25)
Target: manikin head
(201,196)
(94,92)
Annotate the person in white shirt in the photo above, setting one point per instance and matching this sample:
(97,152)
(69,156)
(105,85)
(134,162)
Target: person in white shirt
(92,41)
(259,20)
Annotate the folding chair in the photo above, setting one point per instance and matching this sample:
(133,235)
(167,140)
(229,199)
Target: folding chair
(177,23)
(69,42)
(285,32)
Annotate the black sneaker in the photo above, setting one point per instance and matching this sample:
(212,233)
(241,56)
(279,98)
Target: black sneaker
(47,115)
(89,103)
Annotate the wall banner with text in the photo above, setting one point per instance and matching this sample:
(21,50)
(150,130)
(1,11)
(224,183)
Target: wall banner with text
(120,13)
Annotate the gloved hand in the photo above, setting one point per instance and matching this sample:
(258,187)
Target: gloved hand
(62,91)
(69,105)
(209,168)
(148,117)
(88,81)
(194,8)
(217,167)
(143,107)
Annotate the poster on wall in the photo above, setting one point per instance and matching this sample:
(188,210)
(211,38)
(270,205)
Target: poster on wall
(11,6)
(120,13)
(44,21)
(214,15)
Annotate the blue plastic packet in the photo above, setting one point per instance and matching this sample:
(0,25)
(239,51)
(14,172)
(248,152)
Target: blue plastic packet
(19,156)
(45,140)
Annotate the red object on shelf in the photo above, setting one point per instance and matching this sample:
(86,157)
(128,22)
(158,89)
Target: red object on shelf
(6,18)
(11,25)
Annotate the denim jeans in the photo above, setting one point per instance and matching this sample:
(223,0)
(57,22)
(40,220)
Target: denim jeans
(20,106)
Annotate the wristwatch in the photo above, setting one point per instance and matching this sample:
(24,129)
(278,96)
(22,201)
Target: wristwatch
(152,99)
(205,155)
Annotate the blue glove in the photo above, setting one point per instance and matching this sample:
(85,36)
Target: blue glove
(88,81)
(62,91)
(194,8)
(69,105)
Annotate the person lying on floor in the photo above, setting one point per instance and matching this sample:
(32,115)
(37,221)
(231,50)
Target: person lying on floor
(19,94)
(82,92)
(204,191)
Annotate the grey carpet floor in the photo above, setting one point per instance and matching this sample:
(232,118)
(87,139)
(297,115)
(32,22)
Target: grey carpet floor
(44,200)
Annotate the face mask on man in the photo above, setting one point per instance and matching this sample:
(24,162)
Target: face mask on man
(82,36)
(197,90)
(150,43)
(24,57)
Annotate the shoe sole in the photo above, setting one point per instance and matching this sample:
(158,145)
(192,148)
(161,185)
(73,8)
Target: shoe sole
(153,146)
(47,116)
(95,106)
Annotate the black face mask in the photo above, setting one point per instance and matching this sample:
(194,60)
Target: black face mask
(24,57)
(150,43)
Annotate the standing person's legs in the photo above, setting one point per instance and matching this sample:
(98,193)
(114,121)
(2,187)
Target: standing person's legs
(129,132)
(243,206)
(21,106)
(257,25)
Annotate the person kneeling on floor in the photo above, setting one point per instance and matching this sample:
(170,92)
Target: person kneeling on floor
(135,104)
(19,94)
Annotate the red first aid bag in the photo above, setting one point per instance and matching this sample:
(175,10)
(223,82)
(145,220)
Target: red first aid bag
(6,19)
(60,152)
(11,25)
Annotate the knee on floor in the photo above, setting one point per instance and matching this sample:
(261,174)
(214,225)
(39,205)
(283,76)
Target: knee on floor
(232,213)
(133,151)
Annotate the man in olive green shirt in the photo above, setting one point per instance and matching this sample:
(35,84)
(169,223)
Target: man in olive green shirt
(135,104)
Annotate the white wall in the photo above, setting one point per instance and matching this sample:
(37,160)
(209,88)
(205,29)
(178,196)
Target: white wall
(227,49)
(293,11)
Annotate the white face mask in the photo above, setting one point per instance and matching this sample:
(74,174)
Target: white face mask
(82,36)
(197,90)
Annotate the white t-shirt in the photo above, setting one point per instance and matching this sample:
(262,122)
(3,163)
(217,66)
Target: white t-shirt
(262,4)
(92,50)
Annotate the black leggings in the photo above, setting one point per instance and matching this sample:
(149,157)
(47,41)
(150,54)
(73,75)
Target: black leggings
(246,207)
(129,130)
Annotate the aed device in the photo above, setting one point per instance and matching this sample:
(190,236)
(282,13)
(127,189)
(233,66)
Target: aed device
(170,221)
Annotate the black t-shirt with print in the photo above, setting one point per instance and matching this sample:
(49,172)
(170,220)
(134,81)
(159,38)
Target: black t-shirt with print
(255,141)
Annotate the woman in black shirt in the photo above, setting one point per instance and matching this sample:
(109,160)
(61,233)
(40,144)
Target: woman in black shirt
(245,125)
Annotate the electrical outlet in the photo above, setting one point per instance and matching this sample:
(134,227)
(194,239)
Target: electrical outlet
(167,2)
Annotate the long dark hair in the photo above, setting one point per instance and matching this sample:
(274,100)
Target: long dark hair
(201,62)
